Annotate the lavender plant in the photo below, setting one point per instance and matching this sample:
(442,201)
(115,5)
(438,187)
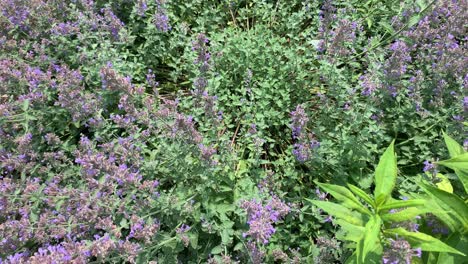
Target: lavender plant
(145,131)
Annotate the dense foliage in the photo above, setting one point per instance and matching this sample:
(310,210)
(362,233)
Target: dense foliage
(247,131)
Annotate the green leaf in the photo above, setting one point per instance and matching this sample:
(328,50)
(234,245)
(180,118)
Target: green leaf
(369,247)
(440,210)
(414,20)
(459,162)
(456,150)
(344,196)
(352,259)
(339,211)
(423,241)
(401,204)
(216,250)
(444,183)
(450,202)
(404,215)
(463,177)
(459,242)
(353,232)
(357,191)
(453,147)
(385,175)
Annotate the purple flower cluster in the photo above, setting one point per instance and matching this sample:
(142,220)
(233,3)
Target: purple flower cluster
(305,142)
(396,65)
(430,167)
(72,95)
(178,125)
(202,60)
(141,6)
(399,251)
(436,226)
(326,247)
(256,254)
(262,217)
(430,63)
(161,20)
(112,23)
(408,225)
(181,232)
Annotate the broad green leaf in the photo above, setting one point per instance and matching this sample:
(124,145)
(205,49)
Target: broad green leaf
(339,211)
(401,204)
(353,232)
(216,250)
(352,259)
(441,211)
(345,196)
(444,183)
(459,162)
(385,175)
(369,247)
(453,147)
(449,201)
(463,177)
(404,215)
(423,241)
(458,242)
(357,191)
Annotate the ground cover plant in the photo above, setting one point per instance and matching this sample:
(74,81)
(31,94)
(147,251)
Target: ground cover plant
(247,131)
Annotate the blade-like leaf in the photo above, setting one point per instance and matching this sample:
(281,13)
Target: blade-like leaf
(353,232)
(344,196)
(456,149)
(385,175)
(463,176)
(369,247)
(458,242)
(453,147)
(401,204)
(423,241)
(444,183)
(404,215)
(459,162)
(442,212)
(449,201)
(339,211)
(362,194)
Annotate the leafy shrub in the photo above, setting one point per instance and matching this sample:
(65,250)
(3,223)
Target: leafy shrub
(191,131)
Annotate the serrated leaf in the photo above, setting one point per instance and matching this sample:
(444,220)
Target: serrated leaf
(414,20)
(385,175)
(387,26)
(345,196)
(423,241)
(357,191)
(339,211)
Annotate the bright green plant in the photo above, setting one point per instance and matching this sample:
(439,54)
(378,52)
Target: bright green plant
(448,206)
(371,225)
